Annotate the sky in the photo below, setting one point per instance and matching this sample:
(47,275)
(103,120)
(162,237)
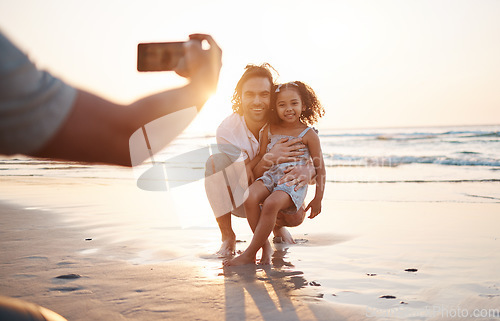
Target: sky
(372,64)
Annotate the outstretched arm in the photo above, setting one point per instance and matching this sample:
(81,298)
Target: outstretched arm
(98,130)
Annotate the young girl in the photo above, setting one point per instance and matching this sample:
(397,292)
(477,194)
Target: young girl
(296,106)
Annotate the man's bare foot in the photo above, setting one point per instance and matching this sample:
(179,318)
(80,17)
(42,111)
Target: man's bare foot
(281,235)
(227,248)
(267,253)
(243,259)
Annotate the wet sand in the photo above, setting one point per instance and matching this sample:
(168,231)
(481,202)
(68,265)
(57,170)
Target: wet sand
(49,263)
(97,249)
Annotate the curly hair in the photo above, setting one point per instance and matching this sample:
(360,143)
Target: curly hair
(314,110)
(251,71)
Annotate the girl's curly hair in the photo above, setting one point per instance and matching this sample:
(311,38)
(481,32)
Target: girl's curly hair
(251,71)
(314,110)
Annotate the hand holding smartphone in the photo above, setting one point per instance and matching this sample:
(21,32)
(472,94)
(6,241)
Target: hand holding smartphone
(198,59)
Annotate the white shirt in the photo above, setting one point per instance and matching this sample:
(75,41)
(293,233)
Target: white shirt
(234,137)
(236,141)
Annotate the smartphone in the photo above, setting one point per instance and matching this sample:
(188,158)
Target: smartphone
(159,56)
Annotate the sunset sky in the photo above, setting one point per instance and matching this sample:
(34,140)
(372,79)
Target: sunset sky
(372,63)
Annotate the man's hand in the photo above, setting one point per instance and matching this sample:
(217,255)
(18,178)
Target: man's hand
(298,175)
(201,66)
(315,206)
(284,151)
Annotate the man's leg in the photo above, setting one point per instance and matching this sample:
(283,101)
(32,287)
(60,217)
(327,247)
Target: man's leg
(228,239)
(219,196)
(282,235)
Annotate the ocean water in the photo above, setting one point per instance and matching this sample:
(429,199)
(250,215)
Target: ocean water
(356,251)
(448,147)
(405,156)
(462,154)
(391,165)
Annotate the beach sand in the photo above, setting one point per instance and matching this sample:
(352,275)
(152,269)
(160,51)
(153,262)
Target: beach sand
(47,263)
(362,259)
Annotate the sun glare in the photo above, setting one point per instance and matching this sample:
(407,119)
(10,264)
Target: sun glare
(371,64)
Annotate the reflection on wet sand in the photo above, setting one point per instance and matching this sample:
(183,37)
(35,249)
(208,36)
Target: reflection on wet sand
(271,287)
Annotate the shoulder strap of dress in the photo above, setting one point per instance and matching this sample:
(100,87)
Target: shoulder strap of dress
(304,132)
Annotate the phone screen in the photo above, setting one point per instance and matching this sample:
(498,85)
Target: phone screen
(159,56)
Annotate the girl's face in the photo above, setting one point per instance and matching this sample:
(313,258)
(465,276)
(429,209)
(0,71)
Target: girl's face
(289,105)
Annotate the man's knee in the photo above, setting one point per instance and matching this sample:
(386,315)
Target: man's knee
(291,220)
(216,162)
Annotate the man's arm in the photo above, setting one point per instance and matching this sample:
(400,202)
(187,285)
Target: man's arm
(256,165)
(250,165)
(98,130)
(286,151)
(283,151)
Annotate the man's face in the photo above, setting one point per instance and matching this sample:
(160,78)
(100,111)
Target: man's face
(255,99)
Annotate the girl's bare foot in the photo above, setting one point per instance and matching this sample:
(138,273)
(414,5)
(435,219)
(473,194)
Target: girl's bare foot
(240,260)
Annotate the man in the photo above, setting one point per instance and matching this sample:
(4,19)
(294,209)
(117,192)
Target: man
(238,138)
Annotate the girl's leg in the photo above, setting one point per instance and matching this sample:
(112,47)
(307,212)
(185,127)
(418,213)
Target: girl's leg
(257,193)
(272,205)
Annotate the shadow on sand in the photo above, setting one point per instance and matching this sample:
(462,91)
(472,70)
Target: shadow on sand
(273,289)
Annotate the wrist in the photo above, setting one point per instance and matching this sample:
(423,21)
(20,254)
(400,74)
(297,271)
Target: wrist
(205,78)
(269,159)
(197,92)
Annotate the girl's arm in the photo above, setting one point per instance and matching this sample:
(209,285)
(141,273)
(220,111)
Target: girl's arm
(311,139)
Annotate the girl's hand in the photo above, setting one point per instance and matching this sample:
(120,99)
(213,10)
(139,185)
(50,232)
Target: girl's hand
(315,206)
